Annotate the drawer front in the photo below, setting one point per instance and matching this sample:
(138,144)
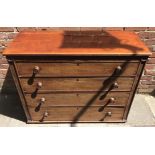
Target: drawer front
(78,99)
(76,84)
(77,114)
(77,69)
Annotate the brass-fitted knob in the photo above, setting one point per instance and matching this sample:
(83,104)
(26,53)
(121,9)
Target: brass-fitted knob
(115,85)
(109,113)
(39,85)
(42,100)
(112,100)
(44,116)
(36,69)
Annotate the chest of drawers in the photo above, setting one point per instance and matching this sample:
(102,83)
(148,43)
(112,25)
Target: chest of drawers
(85,76)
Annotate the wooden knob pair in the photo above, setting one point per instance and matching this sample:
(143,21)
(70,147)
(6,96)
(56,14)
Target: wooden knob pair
(35,71)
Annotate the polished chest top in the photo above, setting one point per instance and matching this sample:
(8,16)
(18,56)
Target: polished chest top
(73,76)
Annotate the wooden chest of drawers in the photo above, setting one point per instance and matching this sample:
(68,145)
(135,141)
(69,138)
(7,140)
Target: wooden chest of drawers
(85,76)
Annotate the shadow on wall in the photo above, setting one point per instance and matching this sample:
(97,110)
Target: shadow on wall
(10,104)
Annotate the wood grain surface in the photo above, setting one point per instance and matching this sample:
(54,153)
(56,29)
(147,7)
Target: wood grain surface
(77,69)
(60,114)
(76,84)
(69,76)
(77,43)
(78,99)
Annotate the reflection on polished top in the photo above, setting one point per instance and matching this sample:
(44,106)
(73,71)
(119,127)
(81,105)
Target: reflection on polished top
(63,42)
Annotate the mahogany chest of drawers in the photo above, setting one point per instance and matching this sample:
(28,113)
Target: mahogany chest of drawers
(81,76)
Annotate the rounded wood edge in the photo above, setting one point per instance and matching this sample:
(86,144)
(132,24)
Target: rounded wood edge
(148,53)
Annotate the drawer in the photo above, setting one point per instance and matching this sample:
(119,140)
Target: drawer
(77,114)
(76,84)
(78,99)
(80,69)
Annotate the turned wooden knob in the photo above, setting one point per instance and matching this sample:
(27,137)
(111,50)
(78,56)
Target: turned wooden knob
(112,100)
(36,69)
(45,114)
(115,85)
(42,100)
(109,113)
(119,68)
(39,85)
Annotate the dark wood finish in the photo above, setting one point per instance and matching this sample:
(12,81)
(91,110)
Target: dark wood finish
(79,69)
(19,89)
(135,86)
(64,76)
(76,84)
(71,114)
(77,99)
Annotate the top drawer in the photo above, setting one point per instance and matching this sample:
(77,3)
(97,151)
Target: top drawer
(74,69)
